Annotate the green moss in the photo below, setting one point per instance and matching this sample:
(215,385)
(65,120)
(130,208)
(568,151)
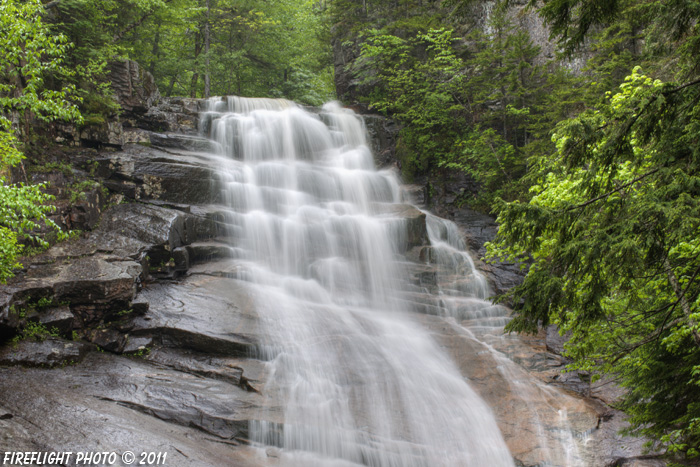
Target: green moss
(97,107)
(77,190)
(35,331)
(94,120)
(49,167)
(142,352)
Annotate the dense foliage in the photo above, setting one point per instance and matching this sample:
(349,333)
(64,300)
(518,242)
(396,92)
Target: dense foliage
(30,55)
(207,47)
(479,103)
(612,229)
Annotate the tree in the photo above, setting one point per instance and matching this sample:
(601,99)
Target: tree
(441,89)
(422,91)
(611,231)
(200,47)
(30,54)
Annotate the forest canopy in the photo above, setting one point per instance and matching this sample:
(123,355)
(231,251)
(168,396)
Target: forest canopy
(199,48)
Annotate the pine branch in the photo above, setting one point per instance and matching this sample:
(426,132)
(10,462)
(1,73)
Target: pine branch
(682,299)
(135,24)
(621,187)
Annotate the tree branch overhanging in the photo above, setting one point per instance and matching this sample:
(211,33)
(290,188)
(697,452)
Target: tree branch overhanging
(621,187)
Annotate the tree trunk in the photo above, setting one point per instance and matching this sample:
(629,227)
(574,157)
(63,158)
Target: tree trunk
(207,40)
(171,86)
(156,50)
(197,51)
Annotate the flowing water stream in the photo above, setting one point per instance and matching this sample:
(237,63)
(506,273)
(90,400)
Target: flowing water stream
(324,240)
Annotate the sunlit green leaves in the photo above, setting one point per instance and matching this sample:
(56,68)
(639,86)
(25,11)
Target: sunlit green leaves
(30,54)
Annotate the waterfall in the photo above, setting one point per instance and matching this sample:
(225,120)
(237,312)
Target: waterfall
(354,378)
(464,294)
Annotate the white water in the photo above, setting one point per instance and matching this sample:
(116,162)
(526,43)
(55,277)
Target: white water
(464,296)
(317,234)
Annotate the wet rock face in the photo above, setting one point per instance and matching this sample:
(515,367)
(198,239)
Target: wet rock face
(183,142)
(48,353)
(146,173)
(133,404)
(169,114)
(478,229)
(93,286)
(95,279)
(204,313)
(150,224)
(383,133)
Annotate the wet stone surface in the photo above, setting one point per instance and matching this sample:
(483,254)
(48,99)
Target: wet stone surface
(120,404)
(47,353)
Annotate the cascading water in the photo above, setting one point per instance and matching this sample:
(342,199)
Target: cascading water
(463,294)
(322,238)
